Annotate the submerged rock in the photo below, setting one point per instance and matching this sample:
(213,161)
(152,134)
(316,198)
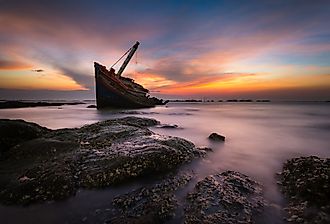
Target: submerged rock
(55,163)
(216,137)
(305,183)
(228,197)
(168,126)
(91,106)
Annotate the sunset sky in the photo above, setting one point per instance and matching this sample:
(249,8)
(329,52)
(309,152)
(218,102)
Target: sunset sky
(189,49)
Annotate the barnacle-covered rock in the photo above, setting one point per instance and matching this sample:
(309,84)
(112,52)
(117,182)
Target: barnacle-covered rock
(151,204)
(228,197)
(305,181)
(55,163)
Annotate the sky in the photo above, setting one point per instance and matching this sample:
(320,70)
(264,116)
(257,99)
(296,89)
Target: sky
(189,49)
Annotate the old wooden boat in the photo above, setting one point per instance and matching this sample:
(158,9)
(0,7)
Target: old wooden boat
(113,90)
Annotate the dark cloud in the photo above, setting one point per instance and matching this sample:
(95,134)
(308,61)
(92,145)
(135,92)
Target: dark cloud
(38,70)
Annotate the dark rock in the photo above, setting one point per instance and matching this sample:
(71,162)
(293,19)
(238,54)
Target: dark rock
(206,149)
(305,183)
(21,104)
(216,137)
(91,106)
(55,165)
(168,126)
(229,197)
(152,204)
(137,121)
(13,132)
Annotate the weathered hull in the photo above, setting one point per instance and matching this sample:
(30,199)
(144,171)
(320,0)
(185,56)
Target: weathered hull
(111,91)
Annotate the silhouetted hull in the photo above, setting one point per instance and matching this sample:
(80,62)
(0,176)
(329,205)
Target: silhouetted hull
(118,92)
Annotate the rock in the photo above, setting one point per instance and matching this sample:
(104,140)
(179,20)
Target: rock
(13,132)
(91,106)
(169,126)
(55,163)
(22,104)
(305,183)
(137,121)
(206,149)
(152,204)
(216,137)
(228,197)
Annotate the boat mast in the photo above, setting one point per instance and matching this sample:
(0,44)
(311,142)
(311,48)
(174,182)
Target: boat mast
(129,57)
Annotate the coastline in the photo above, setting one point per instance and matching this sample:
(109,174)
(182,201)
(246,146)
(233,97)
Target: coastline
(24,104)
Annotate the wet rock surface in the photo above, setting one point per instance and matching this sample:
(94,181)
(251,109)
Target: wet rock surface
(205,149)
(152,204)
(53,164)
(305,182)
(228,197)
(13,132)
(168,126)
(216,137)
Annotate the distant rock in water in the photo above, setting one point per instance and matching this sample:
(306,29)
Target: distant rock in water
(43,164)
(228,197)
(216,137)
(21,104)
(262,101)
(91,106)
(305,181)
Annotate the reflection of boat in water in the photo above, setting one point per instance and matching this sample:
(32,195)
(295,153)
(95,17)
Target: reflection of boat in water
(113,90)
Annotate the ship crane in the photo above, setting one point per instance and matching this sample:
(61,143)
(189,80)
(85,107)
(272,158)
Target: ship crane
(130,53)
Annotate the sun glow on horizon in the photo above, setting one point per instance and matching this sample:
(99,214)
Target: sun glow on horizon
(30,80)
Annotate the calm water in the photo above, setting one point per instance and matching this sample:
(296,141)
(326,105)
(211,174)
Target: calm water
(259,138)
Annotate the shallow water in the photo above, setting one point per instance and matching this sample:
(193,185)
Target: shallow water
(259,138)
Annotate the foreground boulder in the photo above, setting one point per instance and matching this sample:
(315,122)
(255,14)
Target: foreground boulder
(305,181)
(54,164)
(13,132)
(228,197)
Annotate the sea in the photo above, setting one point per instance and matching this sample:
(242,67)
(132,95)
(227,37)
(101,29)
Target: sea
(260,137)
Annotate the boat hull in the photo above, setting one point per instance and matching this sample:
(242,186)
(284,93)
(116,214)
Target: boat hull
(112,92)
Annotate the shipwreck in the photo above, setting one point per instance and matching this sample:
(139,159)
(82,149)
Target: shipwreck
(116,91)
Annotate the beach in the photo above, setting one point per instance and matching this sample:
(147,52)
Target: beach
(260,138)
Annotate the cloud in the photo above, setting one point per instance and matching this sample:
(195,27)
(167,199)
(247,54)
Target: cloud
(182,44)
(38,70)
(13,65)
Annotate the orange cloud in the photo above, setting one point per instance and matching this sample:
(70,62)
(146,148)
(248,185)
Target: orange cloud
(239,83)
(35,81)
(13,65)
(151,81)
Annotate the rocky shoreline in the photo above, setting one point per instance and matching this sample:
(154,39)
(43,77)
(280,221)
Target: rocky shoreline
(305,182)
(38,164)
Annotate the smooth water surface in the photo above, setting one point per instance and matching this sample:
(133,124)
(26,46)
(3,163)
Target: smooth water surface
(259,138)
